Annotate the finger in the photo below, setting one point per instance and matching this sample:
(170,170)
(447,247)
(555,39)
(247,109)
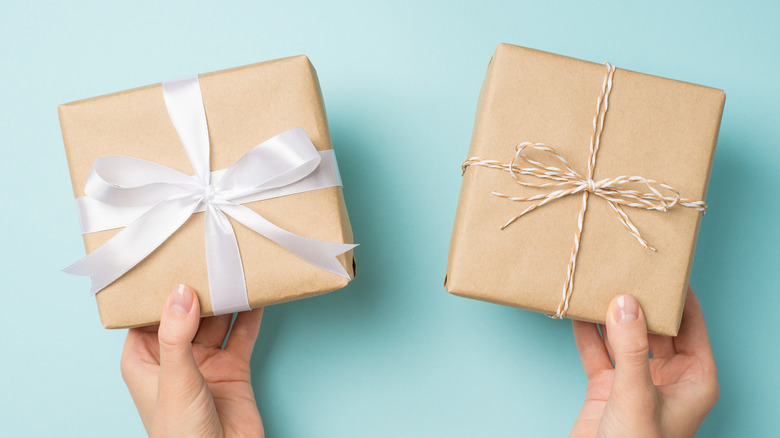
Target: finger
(605,337)
(213,330)
(661,346)
(243,335)
(141,345)
(593,353)
(628,337)
(179,379)
(135,366)
(147,328)
(692,338)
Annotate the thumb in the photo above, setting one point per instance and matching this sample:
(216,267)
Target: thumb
(630,348)
(179,374)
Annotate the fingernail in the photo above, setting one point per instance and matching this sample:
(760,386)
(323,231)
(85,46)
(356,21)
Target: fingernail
(627,309)
(181,299)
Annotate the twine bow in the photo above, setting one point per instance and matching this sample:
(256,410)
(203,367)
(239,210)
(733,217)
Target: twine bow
(619,192)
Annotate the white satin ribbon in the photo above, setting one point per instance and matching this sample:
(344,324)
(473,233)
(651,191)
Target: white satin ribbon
(152,201)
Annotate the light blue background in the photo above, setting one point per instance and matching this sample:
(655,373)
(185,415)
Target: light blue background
(392,354)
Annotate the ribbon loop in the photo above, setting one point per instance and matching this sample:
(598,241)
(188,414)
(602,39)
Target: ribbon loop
(125,181)
(278,162)
(161,199)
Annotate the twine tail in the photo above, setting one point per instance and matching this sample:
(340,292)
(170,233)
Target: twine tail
(568,286)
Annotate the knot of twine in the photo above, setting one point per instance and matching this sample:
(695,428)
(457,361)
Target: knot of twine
(619,192)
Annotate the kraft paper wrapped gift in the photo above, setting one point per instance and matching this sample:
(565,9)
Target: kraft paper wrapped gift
(244,107)
(662,130)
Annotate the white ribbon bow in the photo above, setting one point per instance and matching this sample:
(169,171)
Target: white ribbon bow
(123,187)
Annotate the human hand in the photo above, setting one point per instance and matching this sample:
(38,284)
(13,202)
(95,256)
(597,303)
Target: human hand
(183,382)
(668,395)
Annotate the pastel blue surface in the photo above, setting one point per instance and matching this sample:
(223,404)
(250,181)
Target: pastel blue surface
(392,354)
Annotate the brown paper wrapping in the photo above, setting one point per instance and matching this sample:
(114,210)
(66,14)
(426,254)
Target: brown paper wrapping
(244,107)
(657,128)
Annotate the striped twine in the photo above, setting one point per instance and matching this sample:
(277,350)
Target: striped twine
(566,181)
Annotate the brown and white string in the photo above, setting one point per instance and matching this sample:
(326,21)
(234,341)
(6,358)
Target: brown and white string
(617,191)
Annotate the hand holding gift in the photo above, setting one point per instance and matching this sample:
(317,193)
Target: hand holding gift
(183,382)
(667,395)
(538,146)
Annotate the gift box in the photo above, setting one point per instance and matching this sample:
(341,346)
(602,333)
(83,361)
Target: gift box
(609,169)
(244,107)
